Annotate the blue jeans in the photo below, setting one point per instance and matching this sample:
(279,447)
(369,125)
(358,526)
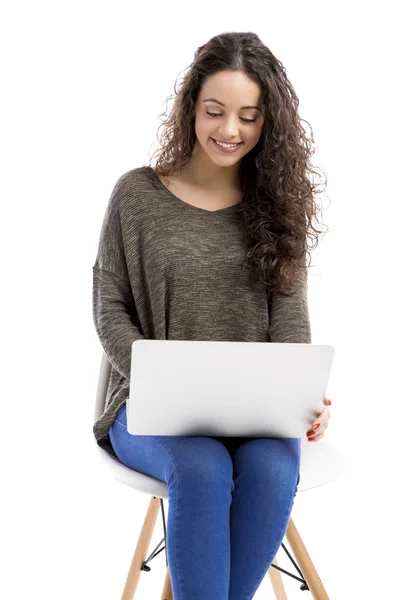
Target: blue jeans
(229,504)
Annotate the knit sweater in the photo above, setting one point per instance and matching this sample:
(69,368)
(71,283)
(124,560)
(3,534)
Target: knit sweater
(168,270)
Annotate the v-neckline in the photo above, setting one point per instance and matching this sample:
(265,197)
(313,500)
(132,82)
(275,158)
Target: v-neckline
(187,205)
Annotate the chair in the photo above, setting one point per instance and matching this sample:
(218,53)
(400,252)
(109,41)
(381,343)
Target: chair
(320,464)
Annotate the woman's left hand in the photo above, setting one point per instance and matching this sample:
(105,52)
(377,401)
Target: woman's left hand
(320,424)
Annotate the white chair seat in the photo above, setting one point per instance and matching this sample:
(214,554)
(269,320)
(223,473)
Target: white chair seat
(321,462)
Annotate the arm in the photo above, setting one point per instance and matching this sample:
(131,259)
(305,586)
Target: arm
(112,316)
(113,302)
(289,320)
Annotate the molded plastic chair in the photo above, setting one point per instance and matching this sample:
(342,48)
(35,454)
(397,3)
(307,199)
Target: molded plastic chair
(321,463)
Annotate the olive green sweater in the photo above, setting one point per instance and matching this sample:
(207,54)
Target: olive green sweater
(168,270)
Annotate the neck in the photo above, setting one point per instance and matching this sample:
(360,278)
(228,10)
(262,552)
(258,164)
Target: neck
(201,171)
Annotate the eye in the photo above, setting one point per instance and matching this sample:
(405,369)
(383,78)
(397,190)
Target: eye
(219,115)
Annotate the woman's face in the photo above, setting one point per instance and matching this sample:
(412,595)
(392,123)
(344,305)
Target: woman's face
(226,94)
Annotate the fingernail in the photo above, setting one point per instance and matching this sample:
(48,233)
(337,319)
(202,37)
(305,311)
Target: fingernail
(316,426)
(330,401)
(311,439)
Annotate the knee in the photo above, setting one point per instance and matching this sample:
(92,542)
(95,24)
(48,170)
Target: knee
(206,459)
(272,459)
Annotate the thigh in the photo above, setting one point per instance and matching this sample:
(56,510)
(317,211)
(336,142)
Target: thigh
(163,456)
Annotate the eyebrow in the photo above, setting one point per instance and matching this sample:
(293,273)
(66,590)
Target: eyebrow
(221,104)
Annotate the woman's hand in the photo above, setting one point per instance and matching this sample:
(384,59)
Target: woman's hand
(320,424)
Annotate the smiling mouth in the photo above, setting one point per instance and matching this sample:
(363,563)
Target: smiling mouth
(230,143)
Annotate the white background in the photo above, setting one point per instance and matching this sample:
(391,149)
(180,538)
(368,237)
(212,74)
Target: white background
(83,85)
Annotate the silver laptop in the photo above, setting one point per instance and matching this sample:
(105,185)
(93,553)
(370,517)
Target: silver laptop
(237,389)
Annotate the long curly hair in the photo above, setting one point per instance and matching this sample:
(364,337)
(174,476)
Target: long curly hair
(278,199)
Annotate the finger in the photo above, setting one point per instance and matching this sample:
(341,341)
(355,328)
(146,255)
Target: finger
(319,430)
(322,429)
(322,418)
(316,438)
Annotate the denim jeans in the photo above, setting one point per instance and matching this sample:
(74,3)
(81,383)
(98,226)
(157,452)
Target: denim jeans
(229,504)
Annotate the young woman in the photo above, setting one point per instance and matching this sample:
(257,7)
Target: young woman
(210,244)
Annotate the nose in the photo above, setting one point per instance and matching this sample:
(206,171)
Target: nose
(229,129)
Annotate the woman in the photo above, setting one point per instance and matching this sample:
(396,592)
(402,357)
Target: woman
(229,190)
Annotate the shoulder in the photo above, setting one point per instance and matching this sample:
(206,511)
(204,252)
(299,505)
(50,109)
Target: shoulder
(138,177)
(135,184)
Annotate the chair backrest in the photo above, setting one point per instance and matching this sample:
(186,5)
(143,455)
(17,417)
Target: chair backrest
(103,384)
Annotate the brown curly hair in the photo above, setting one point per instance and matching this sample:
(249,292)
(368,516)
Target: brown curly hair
(278,204)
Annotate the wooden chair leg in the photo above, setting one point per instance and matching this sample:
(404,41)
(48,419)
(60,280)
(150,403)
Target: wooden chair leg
(305,563)
(277,583)
(141,550)
(167,591)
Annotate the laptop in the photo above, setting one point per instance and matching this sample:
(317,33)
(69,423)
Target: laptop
(220,388)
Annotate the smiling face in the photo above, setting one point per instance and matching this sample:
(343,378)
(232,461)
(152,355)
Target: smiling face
(226,111)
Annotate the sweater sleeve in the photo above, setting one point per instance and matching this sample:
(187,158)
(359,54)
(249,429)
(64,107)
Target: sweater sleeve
(113,303)
(289,315)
